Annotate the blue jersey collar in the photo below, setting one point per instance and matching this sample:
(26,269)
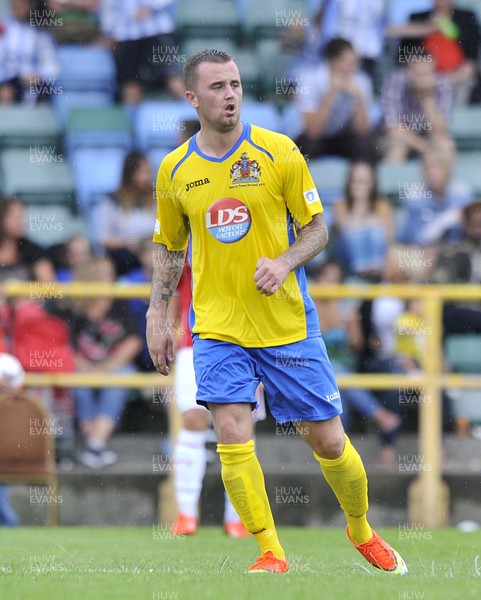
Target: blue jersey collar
(244,135)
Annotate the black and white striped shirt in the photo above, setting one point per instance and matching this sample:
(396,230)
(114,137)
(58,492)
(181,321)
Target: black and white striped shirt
(26,51)
(118,18)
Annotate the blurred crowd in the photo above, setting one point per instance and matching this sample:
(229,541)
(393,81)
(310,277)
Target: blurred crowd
(382,79)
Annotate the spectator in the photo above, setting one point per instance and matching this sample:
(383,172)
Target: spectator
(361,23)
(433,208)
(79,21)
(451,35)
(336,107)
(127,216)
(472,237)
(28,61)
(69,255)
(341,334)
(141,33)
(36,337)
(364,223)
(461,262)
(40,340)
(106,341)
(410,334)
(19,257)
(377,350)
(416,105)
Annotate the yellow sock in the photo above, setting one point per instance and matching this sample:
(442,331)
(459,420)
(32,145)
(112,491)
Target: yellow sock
(347,477)
(244,481)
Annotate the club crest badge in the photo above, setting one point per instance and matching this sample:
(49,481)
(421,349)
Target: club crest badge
(245,170)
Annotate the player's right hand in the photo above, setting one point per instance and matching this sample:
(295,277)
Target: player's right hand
(160,342)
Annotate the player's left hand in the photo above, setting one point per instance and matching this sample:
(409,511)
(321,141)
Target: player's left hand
(270,274)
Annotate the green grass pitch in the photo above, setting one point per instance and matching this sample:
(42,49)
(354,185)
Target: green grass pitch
(146,564)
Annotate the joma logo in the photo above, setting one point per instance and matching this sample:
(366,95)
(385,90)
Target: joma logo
(196,183)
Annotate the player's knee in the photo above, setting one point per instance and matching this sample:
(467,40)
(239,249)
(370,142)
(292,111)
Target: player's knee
(330,446)
(196,420)
(232,423)
(229,432)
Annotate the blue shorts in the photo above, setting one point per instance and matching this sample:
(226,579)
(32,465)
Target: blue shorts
(298,378)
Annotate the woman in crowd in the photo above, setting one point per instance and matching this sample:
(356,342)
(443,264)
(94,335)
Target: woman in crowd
(105,341)
(19,257)
(126,217)
(364,225)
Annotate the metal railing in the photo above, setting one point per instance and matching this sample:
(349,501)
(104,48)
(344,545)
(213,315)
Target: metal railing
(428,495)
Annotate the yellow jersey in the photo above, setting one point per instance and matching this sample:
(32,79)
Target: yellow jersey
(236,209)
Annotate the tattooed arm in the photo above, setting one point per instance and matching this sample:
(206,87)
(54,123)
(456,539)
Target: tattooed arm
(271,273)
(168,268)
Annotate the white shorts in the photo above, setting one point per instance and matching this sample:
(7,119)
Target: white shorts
(186,388)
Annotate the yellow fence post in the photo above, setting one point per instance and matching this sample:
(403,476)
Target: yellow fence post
(428,497)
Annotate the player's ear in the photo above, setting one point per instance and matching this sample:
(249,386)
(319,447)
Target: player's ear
(192,98)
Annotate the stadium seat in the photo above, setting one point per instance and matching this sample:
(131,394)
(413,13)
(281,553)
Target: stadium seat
(271,18)
(274,64)
(465,127)
(50,224)
(250,73)
(329,175)
(97,172)
(157,124)
(463,355)
(263,114)
(91,127)
(64,103)
(25,126)
(27,458)
(394,178)
(37,177)
(208,19)
(86,68)
(467,170)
